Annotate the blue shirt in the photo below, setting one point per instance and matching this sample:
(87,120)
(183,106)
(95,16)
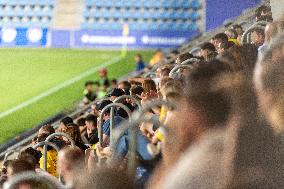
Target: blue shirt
(140,66)
(106,125)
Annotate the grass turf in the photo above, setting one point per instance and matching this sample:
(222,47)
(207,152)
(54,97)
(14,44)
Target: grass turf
(25,73)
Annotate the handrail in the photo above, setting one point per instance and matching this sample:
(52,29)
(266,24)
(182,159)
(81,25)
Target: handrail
(50,137)
(177,68)
(133,129)
(7,154)
(194,49)
(149,74)
(123,97)
(45,144)
(29,175)
(104,110)
(245,38)
(190,61)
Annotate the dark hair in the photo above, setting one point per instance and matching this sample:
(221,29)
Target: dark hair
(165,71)
(126,84)
(184,56)
(81,121)
(20,165)
(136,90)
(114,81)
(66,120)
(199,91)
(139,56)
(88,83)
(32,152)
(221,36)
(262,8)
(208,46)
(149,85)
(47,129)
(91,119)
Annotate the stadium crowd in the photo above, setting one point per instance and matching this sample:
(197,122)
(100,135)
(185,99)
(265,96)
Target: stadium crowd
(223,129)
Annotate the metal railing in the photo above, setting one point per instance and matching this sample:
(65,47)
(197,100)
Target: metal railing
(10,152)
(17,179)
(132,126)
(124,97)
(190,61)
(104,110)
(246,37)
(176,68)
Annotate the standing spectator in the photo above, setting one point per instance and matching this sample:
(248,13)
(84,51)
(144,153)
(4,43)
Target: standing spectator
(103,77)
(140,65)
(89,94)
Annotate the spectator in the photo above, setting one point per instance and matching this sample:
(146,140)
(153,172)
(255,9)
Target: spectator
(232,35)
(165,71)
(140,65)
(81,122)
(136,91)
(257,37)
(73,131)
(125,86)
(114,93)
(106,125)
(103,81)
(92,130)
(218,39)
(183,57)
(157,57)
(239,30)
(173,56)
(208,51)
(70,162)
(263,13)
(64,122)
(89,94)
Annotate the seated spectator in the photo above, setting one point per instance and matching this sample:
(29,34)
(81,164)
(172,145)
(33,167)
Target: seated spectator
(263,13)
(232,35)
(115,93)
(208,51)
(140,65)
(239,30)
(33,153)
(73,131)
(257,37)
(183,57)
(218,39)
(125,86)
(64,122)
(92,130)
(106,125)
(81,122)
(89,94)
(71,160)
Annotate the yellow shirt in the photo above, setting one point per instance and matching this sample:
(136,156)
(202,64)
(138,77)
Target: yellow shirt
(235,41)
(51,162)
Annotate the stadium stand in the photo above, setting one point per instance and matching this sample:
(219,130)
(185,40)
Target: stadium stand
(142,15)
(207,115)
(26,13)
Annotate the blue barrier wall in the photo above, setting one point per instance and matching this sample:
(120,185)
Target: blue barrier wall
(217,11)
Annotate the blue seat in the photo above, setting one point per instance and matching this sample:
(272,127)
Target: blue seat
(195,4)
(194,16)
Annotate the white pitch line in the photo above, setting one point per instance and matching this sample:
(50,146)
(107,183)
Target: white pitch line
(58,87)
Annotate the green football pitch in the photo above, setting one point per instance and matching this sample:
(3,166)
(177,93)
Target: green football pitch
(38,83)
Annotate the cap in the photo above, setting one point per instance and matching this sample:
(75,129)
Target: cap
(116,92)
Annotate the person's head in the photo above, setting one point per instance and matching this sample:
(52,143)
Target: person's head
(136,90)
(111,178)
(115,93)
(73,131)
(174,54)
(149,86)
(101,105)
(199,108)
(138,58)
(170,88)
(124,85)
(89,86)
(239,29)
(46,129)
(207,49)
(183,57)
(269,84)
(257,37)
(231,33)
(222,47)
(165,72)
(18,166)
(240,57)
(30,152)
(263,13)
(103,72)
(64,122)
(70,162)
(91,122)
(220,38)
